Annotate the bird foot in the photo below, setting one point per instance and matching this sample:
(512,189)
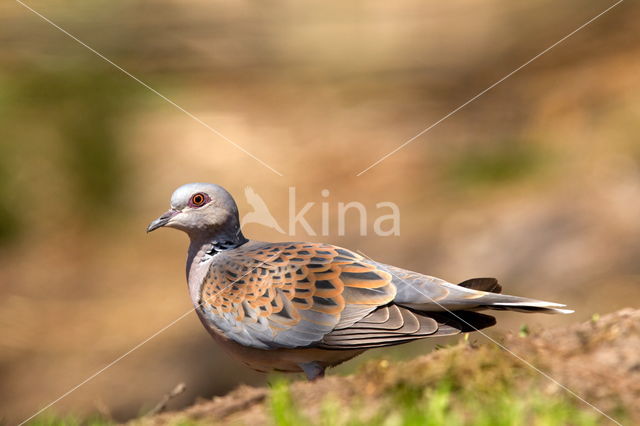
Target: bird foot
(313,370)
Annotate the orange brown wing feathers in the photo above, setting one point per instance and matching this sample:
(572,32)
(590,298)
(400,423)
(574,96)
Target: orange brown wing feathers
(270,295)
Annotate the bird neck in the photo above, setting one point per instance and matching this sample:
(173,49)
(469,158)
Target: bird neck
(202,249)
(215,240)
(226,242)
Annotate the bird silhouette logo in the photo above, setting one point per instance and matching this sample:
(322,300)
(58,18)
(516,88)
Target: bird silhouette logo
(260,214)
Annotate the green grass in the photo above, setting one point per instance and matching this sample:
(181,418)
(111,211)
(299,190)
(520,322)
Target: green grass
(283,410)
(405,405)
(53,420)
(459,387)
(440,405)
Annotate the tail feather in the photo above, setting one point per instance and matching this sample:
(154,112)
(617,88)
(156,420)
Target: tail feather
(506,302)
(462,321)
(489,285)
(430,294)
(528,306)
(473,294)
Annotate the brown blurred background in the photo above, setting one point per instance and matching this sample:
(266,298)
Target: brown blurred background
(537,182)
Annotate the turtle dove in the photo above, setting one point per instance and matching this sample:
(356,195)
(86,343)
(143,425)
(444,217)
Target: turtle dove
(297,306)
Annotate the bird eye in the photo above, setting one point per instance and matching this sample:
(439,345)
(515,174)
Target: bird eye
(198,200)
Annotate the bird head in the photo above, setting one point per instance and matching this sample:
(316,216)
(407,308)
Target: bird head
(200,209)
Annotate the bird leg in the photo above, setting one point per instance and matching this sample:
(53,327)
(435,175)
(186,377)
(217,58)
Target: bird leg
(313,370)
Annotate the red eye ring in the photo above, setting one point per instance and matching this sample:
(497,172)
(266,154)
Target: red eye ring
(198,200)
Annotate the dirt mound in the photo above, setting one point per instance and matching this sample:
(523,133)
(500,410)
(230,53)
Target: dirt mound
(599,361)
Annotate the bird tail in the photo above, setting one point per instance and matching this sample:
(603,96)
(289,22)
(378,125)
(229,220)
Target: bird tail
(473,294)
(494,300)
(523,304)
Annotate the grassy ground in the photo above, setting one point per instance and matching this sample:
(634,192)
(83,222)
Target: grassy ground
(463,384)
(451,397)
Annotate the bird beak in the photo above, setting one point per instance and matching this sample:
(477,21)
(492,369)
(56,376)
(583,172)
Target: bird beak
(162,220)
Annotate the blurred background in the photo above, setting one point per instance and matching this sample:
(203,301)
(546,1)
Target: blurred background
(537,182)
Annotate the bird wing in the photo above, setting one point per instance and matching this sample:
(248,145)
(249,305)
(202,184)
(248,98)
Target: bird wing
(288,295)
(270,295)
(393,324)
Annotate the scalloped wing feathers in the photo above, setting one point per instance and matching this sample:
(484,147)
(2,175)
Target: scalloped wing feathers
(269,295)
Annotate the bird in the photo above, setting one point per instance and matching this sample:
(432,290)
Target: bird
(307,306)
